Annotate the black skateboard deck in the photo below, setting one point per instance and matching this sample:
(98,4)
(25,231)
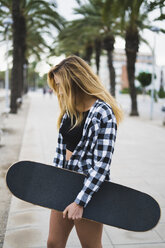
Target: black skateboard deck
(55,188)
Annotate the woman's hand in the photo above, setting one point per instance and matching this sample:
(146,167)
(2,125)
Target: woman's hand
(74,211)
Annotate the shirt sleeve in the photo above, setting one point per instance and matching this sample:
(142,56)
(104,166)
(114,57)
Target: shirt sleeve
(58,159)
(60,152)
(104,138)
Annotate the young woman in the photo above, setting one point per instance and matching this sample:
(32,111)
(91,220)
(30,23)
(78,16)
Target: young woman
(87,126)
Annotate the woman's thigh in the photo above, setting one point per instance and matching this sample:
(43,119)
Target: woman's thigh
(59,229)
(89,233)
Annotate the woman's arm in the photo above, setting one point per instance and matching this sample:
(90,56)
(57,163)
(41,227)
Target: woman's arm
(104,138)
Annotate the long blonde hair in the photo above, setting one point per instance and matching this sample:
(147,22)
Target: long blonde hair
(77,76)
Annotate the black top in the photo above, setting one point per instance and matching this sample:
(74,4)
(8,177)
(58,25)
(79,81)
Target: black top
(72,137)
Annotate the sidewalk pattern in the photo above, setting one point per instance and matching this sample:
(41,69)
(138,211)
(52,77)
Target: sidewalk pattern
(138,162)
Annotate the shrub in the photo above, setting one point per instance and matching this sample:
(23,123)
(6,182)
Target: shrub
(125,91)
(161,93)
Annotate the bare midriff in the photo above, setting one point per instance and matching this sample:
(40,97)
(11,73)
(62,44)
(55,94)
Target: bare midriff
(68,154)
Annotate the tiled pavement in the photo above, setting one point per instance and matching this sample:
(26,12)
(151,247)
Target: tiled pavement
(138,162)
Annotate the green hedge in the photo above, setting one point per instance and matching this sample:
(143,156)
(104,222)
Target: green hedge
(127,90)
(161,93)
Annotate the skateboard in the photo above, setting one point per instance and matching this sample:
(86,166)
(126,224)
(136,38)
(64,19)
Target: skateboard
(55,188)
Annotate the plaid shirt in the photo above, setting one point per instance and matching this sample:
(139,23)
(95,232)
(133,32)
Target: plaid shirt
(93,154)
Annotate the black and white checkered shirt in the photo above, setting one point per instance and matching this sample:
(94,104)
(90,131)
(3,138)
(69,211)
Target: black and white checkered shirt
(93,154)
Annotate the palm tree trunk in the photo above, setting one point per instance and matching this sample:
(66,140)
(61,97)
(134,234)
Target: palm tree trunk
(109,47)
(88,53)
(98,54)
(132,45)
(112,74)
(23,47)
(16,70)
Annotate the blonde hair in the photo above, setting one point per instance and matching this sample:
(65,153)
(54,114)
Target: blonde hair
(77,76)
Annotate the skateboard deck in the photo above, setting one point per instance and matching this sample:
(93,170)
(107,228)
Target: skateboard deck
(55,188)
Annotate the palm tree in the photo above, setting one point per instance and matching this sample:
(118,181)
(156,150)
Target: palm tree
(91,32)
(16,70)
(159,4)
(133,15)
(109,42)
(128,12)
(75,39)
(98,48)
(133,19)
(35,22)
(132,38)
(29,15)
(137,14)
(106,28)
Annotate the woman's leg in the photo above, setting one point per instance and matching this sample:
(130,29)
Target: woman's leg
(89,233)
(59,230)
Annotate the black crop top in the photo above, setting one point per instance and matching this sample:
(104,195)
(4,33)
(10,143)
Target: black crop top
(72,138)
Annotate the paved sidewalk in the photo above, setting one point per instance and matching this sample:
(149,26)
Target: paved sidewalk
(10,145)
(138,162)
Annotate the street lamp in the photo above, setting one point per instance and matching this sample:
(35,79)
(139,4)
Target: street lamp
(155,30)
(7,22)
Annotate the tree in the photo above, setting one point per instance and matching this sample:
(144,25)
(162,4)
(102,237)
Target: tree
(106,26)
(74,39)
(160,5)
(30,24)
(134,19)
(16,70)
(145,80)
(34,24)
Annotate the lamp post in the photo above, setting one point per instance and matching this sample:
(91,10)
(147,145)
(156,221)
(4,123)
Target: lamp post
(7,22)
(156,30)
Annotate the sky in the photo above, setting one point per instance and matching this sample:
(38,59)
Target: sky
(65,8)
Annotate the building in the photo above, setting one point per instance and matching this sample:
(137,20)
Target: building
(143,64)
